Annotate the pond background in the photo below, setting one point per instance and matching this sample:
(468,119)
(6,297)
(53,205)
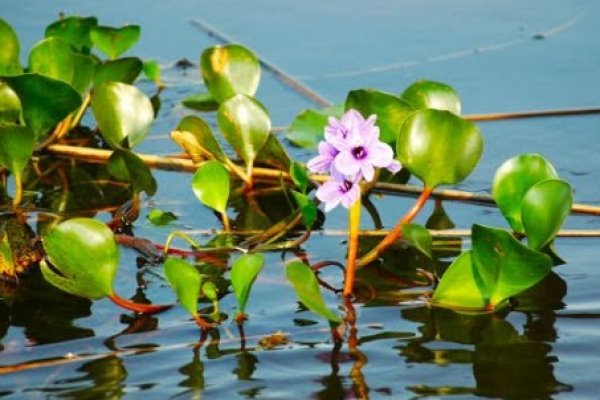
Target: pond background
(499,55)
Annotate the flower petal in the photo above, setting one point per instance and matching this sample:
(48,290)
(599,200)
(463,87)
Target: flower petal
(346,163)
(380,154)
(368,171)
(351,196)
(394,166)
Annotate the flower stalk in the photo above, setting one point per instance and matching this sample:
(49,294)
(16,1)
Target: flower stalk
(353,234)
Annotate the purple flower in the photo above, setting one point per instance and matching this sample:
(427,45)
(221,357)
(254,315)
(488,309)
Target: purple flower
(324,161)
(334,192)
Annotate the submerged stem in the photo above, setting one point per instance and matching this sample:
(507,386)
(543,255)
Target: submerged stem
(138,307)
(396,232)
(353,226)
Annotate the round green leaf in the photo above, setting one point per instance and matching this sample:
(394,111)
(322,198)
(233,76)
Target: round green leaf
(74,30)
(391,111)
(439,219)
(460,287)
(307,208)
(124,70)
(305,283)
(274,154)
(201,102)
(431,94)
(84,72)
(84,257)
(194,135)
(544,209)
(114,41)
(244,272)
(211,185)
(159,217)
(307,129)
(229,70)
(10,105)
(44,101)
(299,175)
(9,50)
(152,71)
(245,124)
(123,113)
(506,266)
(127,166)
(53,58)
(513,180)
(186,281)
(419,237)
(16,147)
(439,147)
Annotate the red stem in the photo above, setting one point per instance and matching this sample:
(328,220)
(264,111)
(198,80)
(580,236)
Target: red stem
(138,307)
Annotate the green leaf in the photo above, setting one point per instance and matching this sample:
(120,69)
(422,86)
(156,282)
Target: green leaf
(299,175)
(431,94)
(439,219)
(186,281)
(391,111)
(124,70)
(9,50)
(544,209)
(243,274)
(152,71)
(123,113)
(194,135)
(439,147)
(16,147)
(211,185)
(44,101)
(461,286)
(84,72)
(419,237)
(229,70)
(507,266)
(307,129)
(273,154)
(74,30)
(115,41)
(53,58)
(10,105)
(307,208)
(127,166)
(512,181)
(201,102)
(84,257)
(305,283)
(245,124)
(210,291)
(159,217)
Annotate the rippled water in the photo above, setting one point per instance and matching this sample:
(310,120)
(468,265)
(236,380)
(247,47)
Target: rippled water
(509,55)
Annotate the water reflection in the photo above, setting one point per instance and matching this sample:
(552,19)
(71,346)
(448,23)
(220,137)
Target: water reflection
(103,378)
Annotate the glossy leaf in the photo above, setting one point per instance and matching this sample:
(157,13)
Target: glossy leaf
(419,237)
(201,102)
(9,50)
(10,105)
(274,154)
(439,147)
(124,70)
(114,41)
(84,257)
(461,286)
(16,147)
(299,175)
(512,181)
(210,291)
(244,272)
(307,129)
(53,57)
(211,185)
(391,111)
(544,209)
(123,113)
(245,124)
(152,71)
(307,208)
(159,217)
(186,281)
(431,94)
(84,72)
(229,70)
(44,101)
(305,283)
(194,135)
(74,30)
(127,166)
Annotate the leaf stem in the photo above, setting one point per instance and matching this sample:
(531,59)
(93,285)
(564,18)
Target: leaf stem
(18,191)
(137,307)
(75,121)
(353,227)
(225,219)
(181,235)
(396,232)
